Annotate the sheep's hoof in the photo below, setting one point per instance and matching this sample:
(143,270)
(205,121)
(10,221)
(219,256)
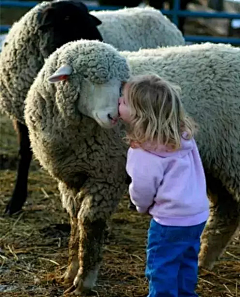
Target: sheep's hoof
(70,273)
(205,265)
(204,261)
(67,281)
(67,278)
(13,207)
(70,290)
(77,291)
(81,293)
(206,257)
(203,272)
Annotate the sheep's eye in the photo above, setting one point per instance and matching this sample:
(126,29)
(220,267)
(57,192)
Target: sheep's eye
(121,90)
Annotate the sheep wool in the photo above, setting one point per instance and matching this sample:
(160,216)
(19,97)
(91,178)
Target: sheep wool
(15,77)
(133,28)
(69,136)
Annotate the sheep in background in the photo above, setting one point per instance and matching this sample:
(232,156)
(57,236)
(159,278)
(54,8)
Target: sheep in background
(45,28)
(130,29)
(158,4)
(67,123)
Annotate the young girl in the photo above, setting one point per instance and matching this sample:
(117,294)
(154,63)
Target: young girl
(168,182)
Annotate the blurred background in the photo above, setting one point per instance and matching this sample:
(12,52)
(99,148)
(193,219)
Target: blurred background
(200,27)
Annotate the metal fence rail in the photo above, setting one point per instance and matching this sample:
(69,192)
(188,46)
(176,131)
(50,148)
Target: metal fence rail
(175,13)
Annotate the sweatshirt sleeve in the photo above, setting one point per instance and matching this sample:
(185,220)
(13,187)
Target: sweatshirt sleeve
(146,175)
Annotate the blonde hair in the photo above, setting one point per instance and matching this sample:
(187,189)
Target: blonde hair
(157,113)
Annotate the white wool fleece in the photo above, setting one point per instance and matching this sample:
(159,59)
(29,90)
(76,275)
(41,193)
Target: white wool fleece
(140,27)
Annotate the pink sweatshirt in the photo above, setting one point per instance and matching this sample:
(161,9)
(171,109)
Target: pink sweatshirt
(171,186)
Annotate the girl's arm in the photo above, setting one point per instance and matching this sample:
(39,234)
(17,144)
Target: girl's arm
(146,177)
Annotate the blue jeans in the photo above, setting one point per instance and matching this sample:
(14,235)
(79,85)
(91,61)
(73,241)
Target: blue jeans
(172,260)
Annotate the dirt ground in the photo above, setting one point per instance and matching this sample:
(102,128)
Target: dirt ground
(33,244)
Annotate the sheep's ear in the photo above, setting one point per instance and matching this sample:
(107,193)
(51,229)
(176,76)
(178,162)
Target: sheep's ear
(46,17)
(95,20)
(61,74)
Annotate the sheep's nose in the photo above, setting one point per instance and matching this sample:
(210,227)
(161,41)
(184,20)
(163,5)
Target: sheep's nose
(112,119)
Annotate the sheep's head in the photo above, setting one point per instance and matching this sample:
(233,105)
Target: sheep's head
(93,73)
(64,21)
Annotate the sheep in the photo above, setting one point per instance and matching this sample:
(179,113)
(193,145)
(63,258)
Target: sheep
(154,3)
(32,39)
(135,28)
(69,111)
(50,25)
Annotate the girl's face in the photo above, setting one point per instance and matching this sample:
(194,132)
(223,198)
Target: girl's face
(124,108)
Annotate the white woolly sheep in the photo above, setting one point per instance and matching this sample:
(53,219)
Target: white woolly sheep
(50,25)
(154,3)
(67,122)
(135,28)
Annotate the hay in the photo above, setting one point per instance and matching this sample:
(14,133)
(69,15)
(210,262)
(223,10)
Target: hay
(33,246)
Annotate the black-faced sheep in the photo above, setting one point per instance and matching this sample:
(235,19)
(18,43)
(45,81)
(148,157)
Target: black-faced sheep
(67,122)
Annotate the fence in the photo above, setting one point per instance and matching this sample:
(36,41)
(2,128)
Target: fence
(175,13)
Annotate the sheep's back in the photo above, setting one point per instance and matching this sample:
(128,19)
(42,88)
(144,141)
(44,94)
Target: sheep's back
(135,28)
(20,61)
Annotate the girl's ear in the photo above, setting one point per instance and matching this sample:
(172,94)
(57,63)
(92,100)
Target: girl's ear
(61,74)
(46,18)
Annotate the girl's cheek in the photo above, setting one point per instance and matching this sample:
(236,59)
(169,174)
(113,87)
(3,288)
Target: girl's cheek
(120,109)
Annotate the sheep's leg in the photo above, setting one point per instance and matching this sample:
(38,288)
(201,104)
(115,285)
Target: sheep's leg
(222,224)
(73,263)
(99,202)
(90,254)
(19,195)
